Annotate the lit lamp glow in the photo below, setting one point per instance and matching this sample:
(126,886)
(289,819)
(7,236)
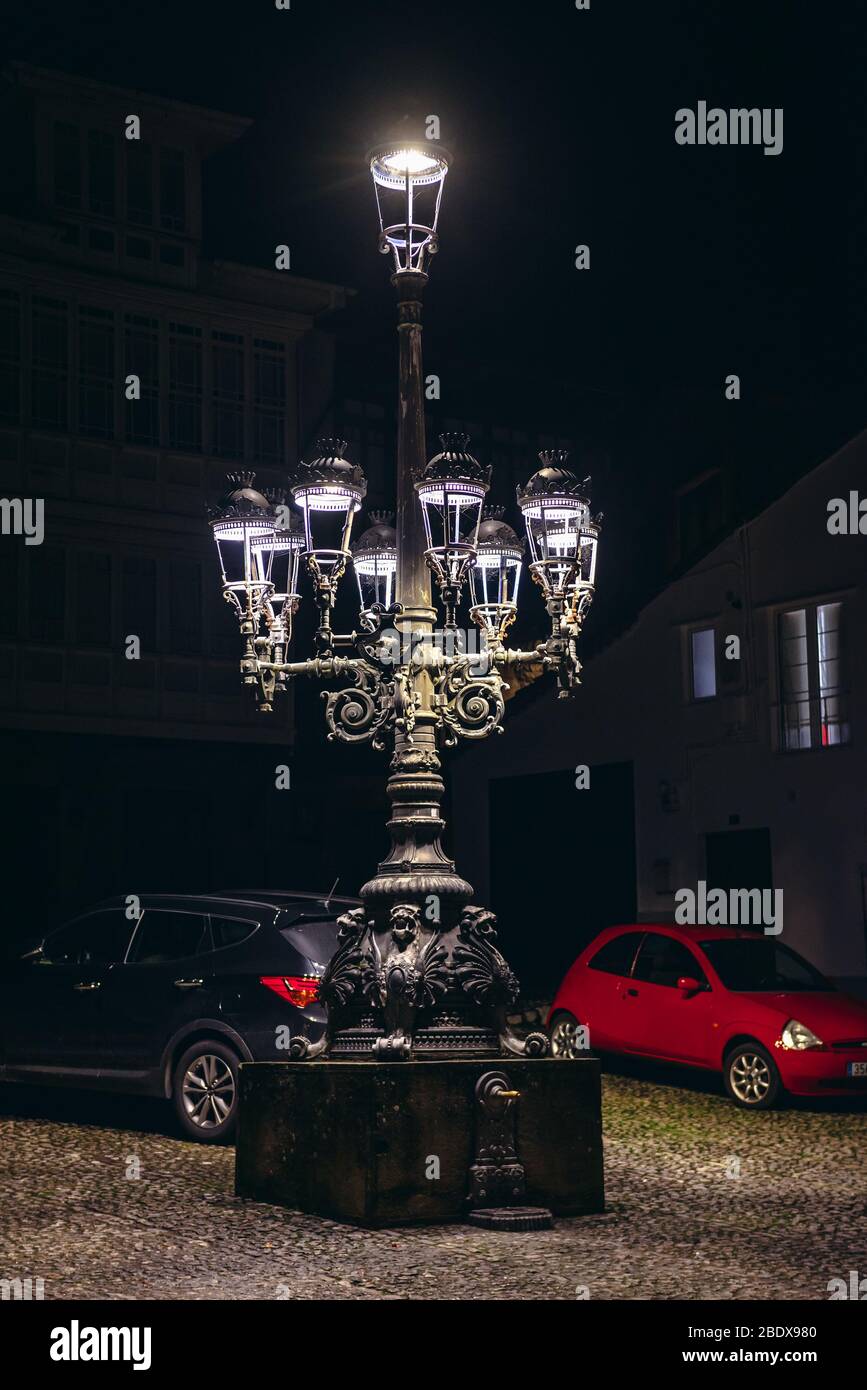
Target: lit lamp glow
(242,518)
(374,557)
(556,510)
(328,491)
(495,577)
(278,554)
(408,181)
(451,491)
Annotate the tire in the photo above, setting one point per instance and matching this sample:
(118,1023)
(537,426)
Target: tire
(562,1032)
(208,1069)
(751,1078)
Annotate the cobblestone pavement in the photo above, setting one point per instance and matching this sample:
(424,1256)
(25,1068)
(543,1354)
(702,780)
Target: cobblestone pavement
(704,1201)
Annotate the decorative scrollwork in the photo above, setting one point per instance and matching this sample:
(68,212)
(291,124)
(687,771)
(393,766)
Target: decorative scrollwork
(432,974)
(357,714)
(342,974)
(480,969)
(469,706)
(406,702)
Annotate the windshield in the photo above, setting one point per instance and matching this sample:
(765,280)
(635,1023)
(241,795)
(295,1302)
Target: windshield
(761,965)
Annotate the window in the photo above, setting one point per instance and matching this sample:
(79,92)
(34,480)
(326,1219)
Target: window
(142,359)
(100,239)
(67,165)
(230,931)
(10,357)
(762,965)
(228,392)
(703,662)
(50,359)
(138,248)
(617,955)
(185,606)
(185,387)
(139,183)
(93,599)
(169,936)
(139,602)
(100,172)
(269,401)
(663,961)
(9,599)
(172,190)
(46,583)
(813,706)
(101,938)
(171,254)
(96,388)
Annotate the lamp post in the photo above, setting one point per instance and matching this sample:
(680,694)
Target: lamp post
(417,975)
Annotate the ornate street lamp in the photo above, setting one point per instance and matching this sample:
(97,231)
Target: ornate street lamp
(243,516)
(417,974)
(563,539)
(278,555)
(451,490)
(374,559)
(408,180)
(495,577)
(328,491)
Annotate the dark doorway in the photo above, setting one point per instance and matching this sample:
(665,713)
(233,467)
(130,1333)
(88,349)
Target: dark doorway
(562,867)
(739,859)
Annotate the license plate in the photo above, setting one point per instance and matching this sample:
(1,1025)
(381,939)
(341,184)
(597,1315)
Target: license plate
(857,1069)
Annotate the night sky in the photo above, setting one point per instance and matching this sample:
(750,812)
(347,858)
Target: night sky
(704,261)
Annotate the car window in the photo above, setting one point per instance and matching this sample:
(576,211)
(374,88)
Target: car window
(616,956)
(100,938)
(165,936)
(230,931)
(762,965)
(313,938)
(663,960)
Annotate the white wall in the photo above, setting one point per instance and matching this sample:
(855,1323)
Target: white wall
(721,755)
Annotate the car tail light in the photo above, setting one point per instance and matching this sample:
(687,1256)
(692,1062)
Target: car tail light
(300,990)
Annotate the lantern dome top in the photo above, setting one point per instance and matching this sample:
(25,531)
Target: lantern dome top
(554,479)
(455,463)
(241,499)
(330,468)
(381,535)
(419,162)
(496,533)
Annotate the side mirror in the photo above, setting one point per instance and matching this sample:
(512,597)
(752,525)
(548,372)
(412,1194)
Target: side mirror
(689,986)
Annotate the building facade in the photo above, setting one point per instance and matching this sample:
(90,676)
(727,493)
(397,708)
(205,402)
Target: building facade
(725,734)
(134,374)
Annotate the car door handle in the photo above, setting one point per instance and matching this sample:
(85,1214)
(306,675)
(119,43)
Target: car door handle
(632,992)
(188,984)
(87,984)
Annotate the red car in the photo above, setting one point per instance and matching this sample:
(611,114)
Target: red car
(713,997)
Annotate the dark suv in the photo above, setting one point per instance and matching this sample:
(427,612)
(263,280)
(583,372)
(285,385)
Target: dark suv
(164,996)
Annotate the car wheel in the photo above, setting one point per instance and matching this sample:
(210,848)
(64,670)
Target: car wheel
(205,1091)
(751,1077)
(565,1038)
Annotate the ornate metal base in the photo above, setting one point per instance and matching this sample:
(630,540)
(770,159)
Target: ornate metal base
(512,1218)
(412,991)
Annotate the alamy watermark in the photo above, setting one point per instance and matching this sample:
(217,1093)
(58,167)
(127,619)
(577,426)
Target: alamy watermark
(411,647)
(23,516)
(730,907)
(737,126)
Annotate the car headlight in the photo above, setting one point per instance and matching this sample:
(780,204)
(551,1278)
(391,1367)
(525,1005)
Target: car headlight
(799,1037)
